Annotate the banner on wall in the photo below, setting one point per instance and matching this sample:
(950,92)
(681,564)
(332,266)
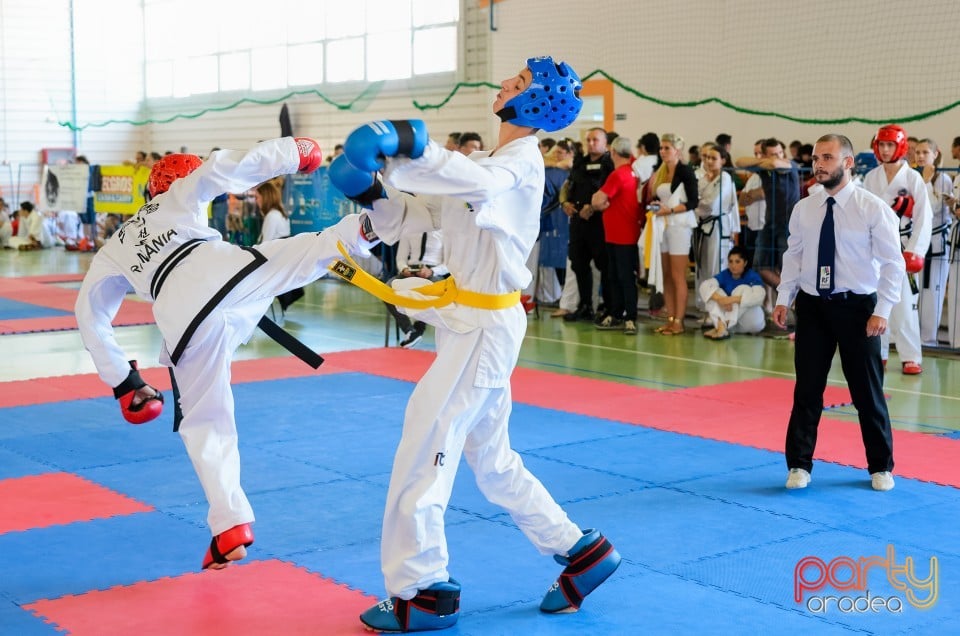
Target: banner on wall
(64,187)
(122,189)
(313,203)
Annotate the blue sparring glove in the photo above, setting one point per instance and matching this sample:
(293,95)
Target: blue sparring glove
(367,146)
(360,187)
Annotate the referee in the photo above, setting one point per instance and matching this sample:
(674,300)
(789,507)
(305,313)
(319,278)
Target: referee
(844,268)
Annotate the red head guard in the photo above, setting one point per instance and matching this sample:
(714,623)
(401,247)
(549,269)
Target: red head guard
(169,169)
(894,134)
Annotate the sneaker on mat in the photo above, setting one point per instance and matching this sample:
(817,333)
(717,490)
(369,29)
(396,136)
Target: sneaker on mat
(797,478)
(882,481)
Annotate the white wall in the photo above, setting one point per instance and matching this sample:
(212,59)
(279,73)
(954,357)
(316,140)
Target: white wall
(37,91)
(815,59)
(244,125)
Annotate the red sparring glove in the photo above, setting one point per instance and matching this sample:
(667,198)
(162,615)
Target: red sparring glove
(913,262)
(903,206)
(310,155)
(126,391)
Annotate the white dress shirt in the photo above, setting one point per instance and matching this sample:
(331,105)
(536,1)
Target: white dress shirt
(868,257)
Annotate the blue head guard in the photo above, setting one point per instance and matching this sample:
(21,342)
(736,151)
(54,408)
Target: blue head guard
(551,102)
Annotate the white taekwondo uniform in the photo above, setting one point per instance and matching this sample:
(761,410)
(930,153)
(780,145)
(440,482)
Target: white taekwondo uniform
(208,296)
(914,237)
(488,206)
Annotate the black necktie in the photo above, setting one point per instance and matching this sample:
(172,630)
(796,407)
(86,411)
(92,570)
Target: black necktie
(826,253)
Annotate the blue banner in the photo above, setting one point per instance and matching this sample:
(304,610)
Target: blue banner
(313,203)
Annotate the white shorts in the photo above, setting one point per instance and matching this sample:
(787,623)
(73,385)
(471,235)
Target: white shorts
(676,240)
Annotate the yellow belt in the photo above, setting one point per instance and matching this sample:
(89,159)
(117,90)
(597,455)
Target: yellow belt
(444,291)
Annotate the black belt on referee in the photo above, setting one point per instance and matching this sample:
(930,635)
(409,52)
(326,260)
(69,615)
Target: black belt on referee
(843,296)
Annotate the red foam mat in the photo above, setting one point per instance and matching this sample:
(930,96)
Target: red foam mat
(766,390)
(708,412)
(39,501)
(36,291)
(263,597)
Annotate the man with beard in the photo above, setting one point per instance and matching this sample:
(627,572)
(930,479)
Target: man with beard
(843,266)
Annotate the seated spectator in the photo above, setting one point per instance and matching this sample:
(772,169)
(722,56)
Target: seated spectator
(6,226)
(453,141)
(734,298)
(33,231)
(418,255)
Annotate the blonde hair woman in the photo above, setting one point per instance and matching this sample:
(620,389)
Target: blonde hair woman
(675,187)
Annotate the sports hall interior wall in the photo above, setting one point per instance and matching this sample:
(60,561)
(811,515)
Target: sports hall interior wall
(809,61)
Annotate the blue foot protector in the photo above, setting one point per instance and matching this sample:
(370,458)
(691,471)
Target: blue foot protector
(591,561)
(436,607)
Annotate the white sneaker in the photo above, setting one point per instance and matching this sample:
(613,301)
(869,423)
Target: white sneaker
(882,481)
(798,478)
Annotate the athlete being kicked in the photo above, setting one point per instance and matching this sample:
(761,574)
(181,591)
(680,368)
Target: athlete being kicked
(488,206)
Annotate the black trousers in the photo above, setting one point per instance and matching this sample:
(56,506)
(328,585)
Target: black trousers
(622,279)
(587,244)
(822,327)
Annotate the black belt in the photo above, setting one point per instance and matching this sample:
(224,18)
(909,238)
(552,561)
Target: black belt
(169,263)
(841,296)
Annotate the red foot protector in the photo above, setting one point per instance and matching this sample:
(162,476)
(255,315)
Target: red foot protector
(225,543)
(52,499)
(263,597)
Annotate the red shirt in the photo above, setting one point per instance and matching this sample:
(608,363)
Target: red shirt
(621,221)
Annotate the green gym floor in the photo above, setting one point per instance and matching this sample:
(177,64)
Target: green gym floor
(334,316)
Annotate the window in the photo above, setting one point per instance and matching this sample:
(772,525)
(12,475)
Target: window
(240,45)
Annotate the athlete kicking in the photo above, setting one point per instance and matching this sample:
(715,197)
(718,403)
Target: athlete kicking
(208,296)
(488,206)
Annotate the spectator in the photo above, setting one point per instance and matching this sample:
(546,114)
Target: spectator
(6,225)
(469,142)
(693,157)
(587,244)
(219,209)
(912,151)
(546,145)
(780,179)
(88,217)
(733,298)
(418,256)
(275,225)
(936,261)
(33,232)
(554,227)
(675,188)
(718,216)
(795,146)
(754,206)
(617,199)
(453,141)
(725,141)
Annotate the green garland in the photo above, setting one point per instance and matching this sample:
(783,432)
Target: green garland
(376,87)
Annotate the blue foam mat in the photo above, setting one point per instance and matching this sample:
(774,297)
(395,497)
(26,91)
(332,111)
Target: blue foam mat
(16,310)
(709,536)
